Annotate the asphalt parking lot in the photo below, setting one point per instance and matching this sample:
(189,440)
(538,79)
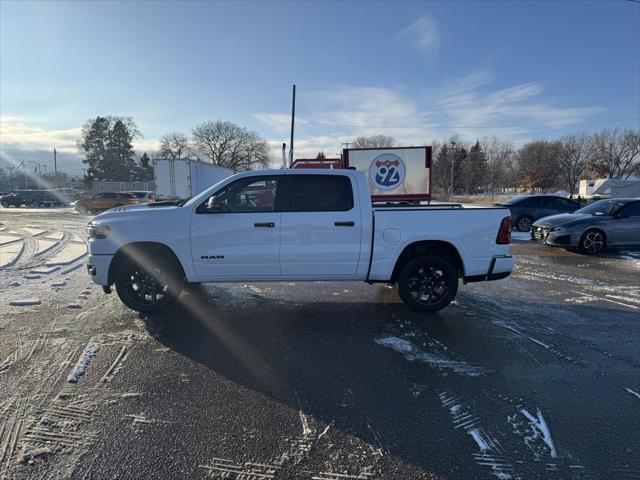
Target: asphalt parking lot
(533,377)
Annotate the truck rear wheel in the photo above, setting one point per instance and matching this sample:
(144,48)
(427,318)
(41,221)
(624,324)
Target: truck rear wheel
(148,288)
(428,283)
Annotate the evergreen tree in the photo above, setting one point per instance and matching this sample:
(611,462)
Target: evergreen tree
(321,156)
(475,171)
(146,169)
(120,158)
(93,144)
(107,145)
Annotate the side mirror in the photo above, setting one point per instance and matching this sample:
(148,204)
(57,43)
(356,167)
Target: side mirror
(215,204)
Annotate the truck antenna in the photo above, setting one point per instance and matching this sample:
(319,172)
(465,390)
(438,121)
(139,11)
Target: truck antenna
(293,118)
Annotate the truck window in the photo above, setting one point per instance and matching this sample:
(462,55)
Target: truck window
(253,194)
(321,193)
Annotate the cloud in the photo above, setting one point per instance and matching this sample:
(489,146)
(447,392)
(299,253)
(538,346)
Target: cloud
(471,107)
(16,132)
(21,140)
(424,34)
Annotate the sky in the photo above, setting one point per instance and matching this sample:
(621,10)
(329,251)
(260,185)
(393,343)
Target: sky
(417,71)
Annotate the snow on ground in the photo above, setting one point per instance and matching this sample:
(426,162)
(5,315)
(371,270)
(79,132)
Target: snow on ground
(633,392)
(44,245)
(70,253)
(411,352)
(521,236)
(44,270)
(54,235)
(9,238)
(10,253)
(24,302)
(90,351)
(34,231)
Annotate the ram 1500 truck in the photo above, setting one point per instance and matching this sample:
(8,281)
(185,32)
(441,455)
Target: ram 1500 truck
(296,225)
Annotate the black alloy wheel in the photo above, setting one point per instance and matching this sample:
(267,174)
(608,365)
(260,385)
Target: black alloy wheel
(428,283)
(148,289)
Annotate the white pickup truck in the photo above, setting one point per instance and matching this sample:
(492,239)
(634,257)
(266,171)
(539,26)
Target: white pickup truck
(296,225)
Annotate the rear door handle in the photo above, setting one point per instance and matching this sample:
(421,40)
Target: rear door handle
(345,224)
(265,225)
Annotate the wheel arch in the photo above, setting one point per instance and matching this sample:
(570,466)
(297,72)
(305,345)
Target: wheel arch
(143,252)
(422,247)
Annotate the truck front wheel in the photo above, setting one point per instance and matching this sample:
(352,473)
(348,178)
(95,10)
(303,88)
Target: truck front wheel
(428,283)
(148,288)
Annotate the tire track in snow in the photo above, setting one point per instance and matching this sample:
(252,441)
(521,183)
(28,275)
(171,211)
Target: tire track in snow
(520,448)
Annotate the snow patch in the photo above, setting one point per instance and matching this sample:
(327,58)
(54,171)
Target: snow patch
(45,270)
(45,245)
(9,254)
(412,353)
(477,436)
(24,302)
(634,393)
(540,428)
(521,236)
(69,254)
(90,351)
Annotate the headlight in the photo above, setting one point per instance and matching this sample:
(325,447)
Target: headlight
(98,231)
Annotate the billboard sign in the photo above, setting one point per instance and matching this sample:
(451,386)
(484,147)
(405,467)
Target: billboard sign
(397,173)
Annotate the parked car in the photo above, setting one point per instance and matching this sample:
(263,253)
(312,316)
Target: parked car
(144,196)
(614,222)
(526,209)
(31,198)
(296,225)
(104,201)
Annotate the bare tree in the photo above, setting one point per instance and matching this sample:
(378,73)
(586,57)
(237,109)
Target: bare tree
(574,155)
(173,145)
(499,153)
(538,164)
(374,141)
(230,145)
(616,153)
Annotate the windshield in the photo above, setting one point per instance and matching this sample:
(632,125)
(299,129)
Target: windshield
(601,207)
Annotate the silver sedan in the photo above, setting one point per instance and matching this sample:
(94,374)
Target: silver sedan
(614,222)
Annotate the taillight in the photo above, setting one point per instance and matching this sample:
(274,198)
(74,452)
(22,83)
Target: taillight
(504,234)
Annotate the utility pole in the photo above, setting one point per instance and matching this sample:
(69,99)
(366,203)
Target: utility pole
(453,151)
(293,119)
(55,162)
(346,144)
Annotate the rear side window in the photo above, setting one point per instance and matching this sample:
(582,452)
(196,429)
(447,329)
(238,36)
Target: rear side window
(321,193)
(532,202)
(633,209)
(127,195)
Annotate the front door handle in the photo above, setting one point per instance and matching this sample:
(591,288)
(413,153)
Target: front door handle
(265,225)
(345,224)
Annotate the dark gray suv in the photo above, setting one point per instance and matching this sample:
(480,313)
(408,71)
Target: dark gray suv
(526,209)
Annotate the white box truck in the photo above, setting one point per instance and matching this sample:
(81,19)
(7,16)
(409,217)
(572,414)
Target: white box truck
(185,178)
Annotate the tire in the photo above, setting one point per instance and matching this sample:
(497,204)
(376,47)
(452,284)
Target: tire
(4,204)
(524,223)
(593,242)
(148,289)
(432,276)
